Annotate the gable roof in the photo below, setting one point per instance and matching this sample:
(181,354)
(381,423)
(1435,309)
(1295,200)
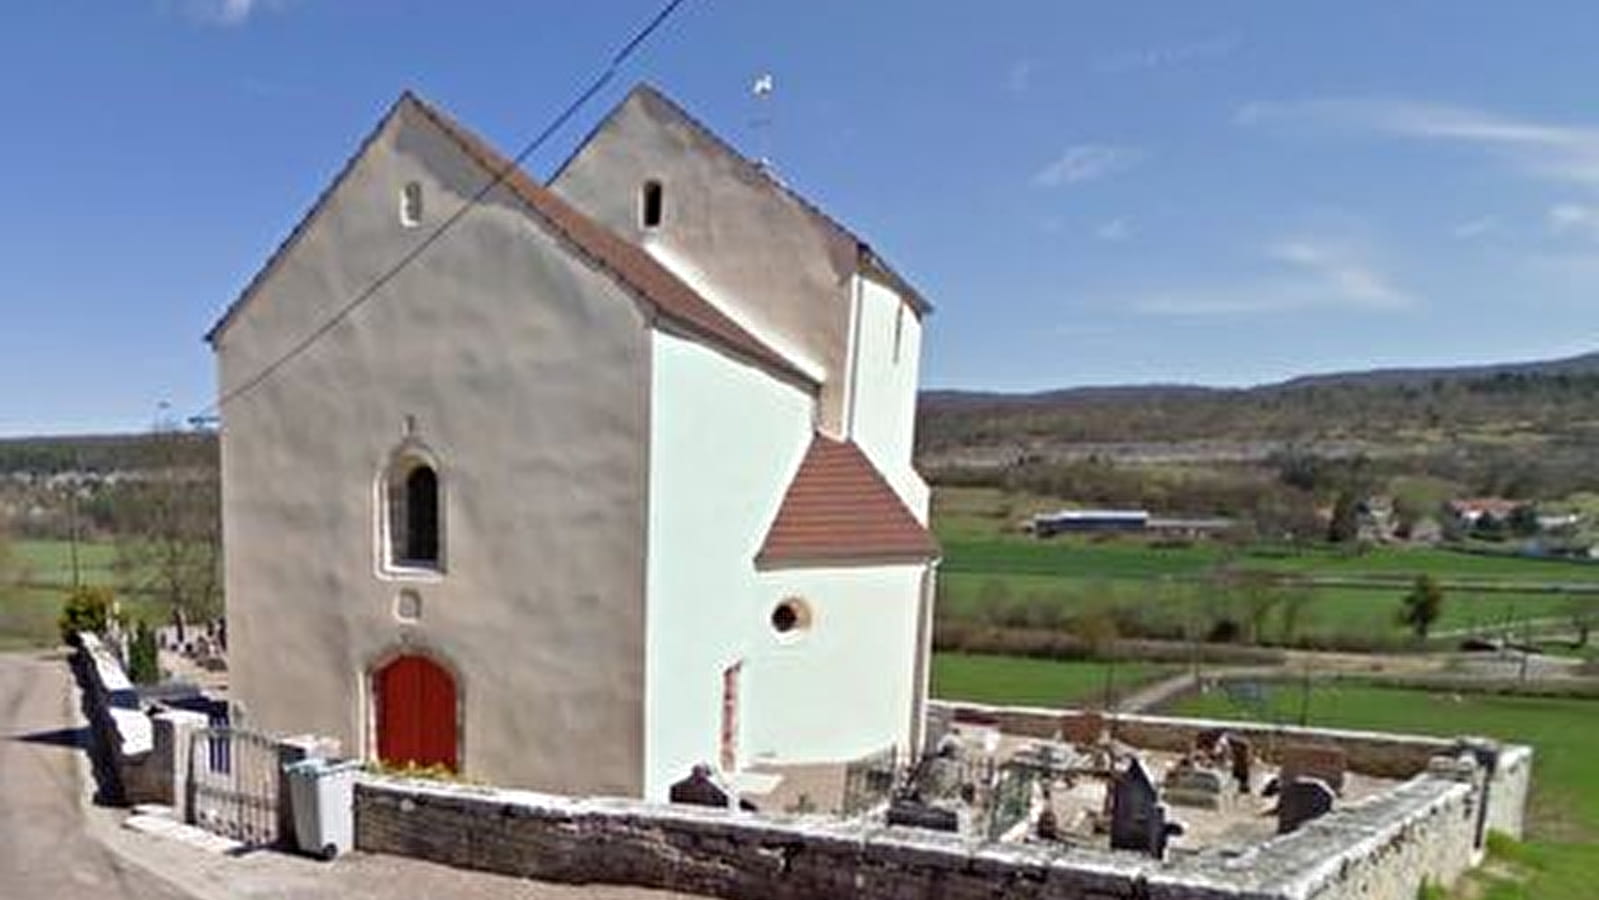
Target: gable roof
(627,264)
(866,258)
(839,508)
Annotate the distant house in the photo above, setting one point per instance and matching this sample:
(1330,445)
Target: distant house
(1068,521)
(1472,511)
(613,480)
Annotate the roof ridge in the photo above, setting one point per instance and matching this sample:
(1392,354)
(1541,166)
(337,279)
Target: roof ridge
(305,220)
(624,261)
(863,249)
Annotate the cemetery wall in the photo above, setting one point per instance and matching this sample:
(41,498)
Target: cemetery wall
(1380,849)
(1369,752)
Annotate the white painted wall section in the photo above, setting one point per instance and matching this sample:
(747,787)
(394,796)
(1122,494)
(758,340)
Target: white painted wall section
(888,348)
(844,686)
(725,439)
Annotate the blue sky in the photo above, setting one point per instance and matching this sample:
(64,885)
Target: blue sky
(1220,192)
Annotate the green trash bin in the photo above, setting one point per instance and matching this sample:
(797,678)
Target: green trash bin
(322,799)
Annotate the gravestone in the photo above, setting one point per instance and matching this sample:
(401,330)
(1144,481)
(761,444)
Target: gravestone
(1083,728)
(913,813)
(1207,739)
(700,788)
(1137,818)
(1047,828)
(1198,786)
(1243,756)
(1302,799)
(1323,761)
(940,722)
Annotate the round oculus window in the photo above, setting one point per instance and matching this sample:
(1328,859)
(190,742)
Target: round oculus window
(790,616)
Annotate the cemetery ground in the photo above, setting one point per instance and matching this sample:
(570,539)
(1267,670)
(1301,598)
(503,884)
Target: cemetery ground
(1560,857)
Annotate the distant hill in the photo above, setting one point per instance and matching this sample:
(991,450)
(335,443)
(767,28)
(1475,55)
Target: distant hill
(1553,404)
(1584,364)
(103,453)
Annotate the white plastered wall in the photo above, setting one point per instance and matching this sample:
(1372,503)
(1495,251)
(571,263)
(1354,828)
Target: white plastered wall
(725,440)
(882,395)
(843,686)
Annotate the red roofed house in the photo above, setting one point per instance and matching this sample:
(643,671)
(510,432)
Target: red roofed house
(611,479)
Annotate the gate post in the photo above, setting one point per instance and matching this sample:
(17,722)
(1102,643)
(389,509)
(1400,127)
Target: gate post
(172,757)
(293,750)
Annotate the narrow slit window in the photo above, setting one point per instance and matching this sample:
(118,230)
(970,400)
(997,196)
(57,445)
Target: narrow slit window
(899,329)
(651,204)
(411,204)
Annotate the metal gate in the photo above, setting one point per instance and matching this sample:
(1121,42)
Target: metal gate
(234,784)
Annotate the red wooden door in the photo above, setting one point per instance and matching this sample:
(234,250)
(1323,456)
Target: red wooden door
(416,713)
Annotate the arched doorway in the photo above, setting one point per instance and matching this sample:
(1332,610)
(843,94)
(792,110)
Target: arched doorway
(416,720)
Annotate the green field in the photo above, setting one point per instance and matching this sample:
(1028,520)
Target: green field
(40,573)
(50,562)
(1340,598)
(1036,682)
(1077,557)
(1328,613)
(1562,850)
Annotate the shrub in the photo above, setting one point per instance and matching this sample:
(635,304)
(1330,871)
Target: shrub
(87,609)
(144,660)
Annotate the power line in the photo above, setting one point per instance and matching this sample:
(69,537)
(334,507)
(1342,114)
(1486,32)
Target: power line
(597,84)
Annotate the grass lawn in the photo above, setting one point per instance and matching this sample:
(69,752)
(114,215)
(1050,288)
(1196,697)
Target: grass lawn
(1035,682)
(1561,854)
(1328,613)
(1123,558)
(28,613)
(51,561)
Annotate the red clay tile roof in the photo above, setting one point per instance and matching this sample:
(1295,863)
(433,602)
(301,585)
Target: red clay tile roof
(627,263)
(839,508)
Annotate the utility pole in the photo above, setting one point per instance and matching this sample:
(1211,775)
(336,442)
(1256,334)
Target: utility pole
(72,516)
(1304,694)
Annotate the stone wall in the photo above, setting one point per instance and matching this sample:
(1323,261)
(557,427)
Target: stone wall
(1369,752)
(138,757)
(1380,849)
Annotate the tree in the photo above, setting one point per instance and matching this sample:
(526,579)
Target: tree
(1523,520)
(169,535)
(88,608)
(1581,613)
(144,662)
(1422,606)
(1345,525)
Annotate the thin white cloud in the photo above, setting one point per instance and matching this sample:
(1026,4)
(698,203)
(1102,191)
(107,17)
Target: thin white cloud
(1574,218)
(1118,229)
(228,13)
(1150,58)
(1471,229)
(1087,162)
(1019,77)
(1557,151)
(1308,273)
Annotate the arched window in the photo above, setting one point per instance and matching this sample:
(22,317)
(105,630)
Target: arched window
(651,204)
(414,515)
(422,516)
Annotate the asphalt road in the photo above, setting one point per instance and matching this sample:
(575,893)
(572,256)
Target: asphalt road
(45,850)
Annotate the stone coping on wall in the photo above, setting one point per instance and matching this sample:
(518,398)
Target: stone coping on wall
(1375,753)
(684,839)
(1306,862)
